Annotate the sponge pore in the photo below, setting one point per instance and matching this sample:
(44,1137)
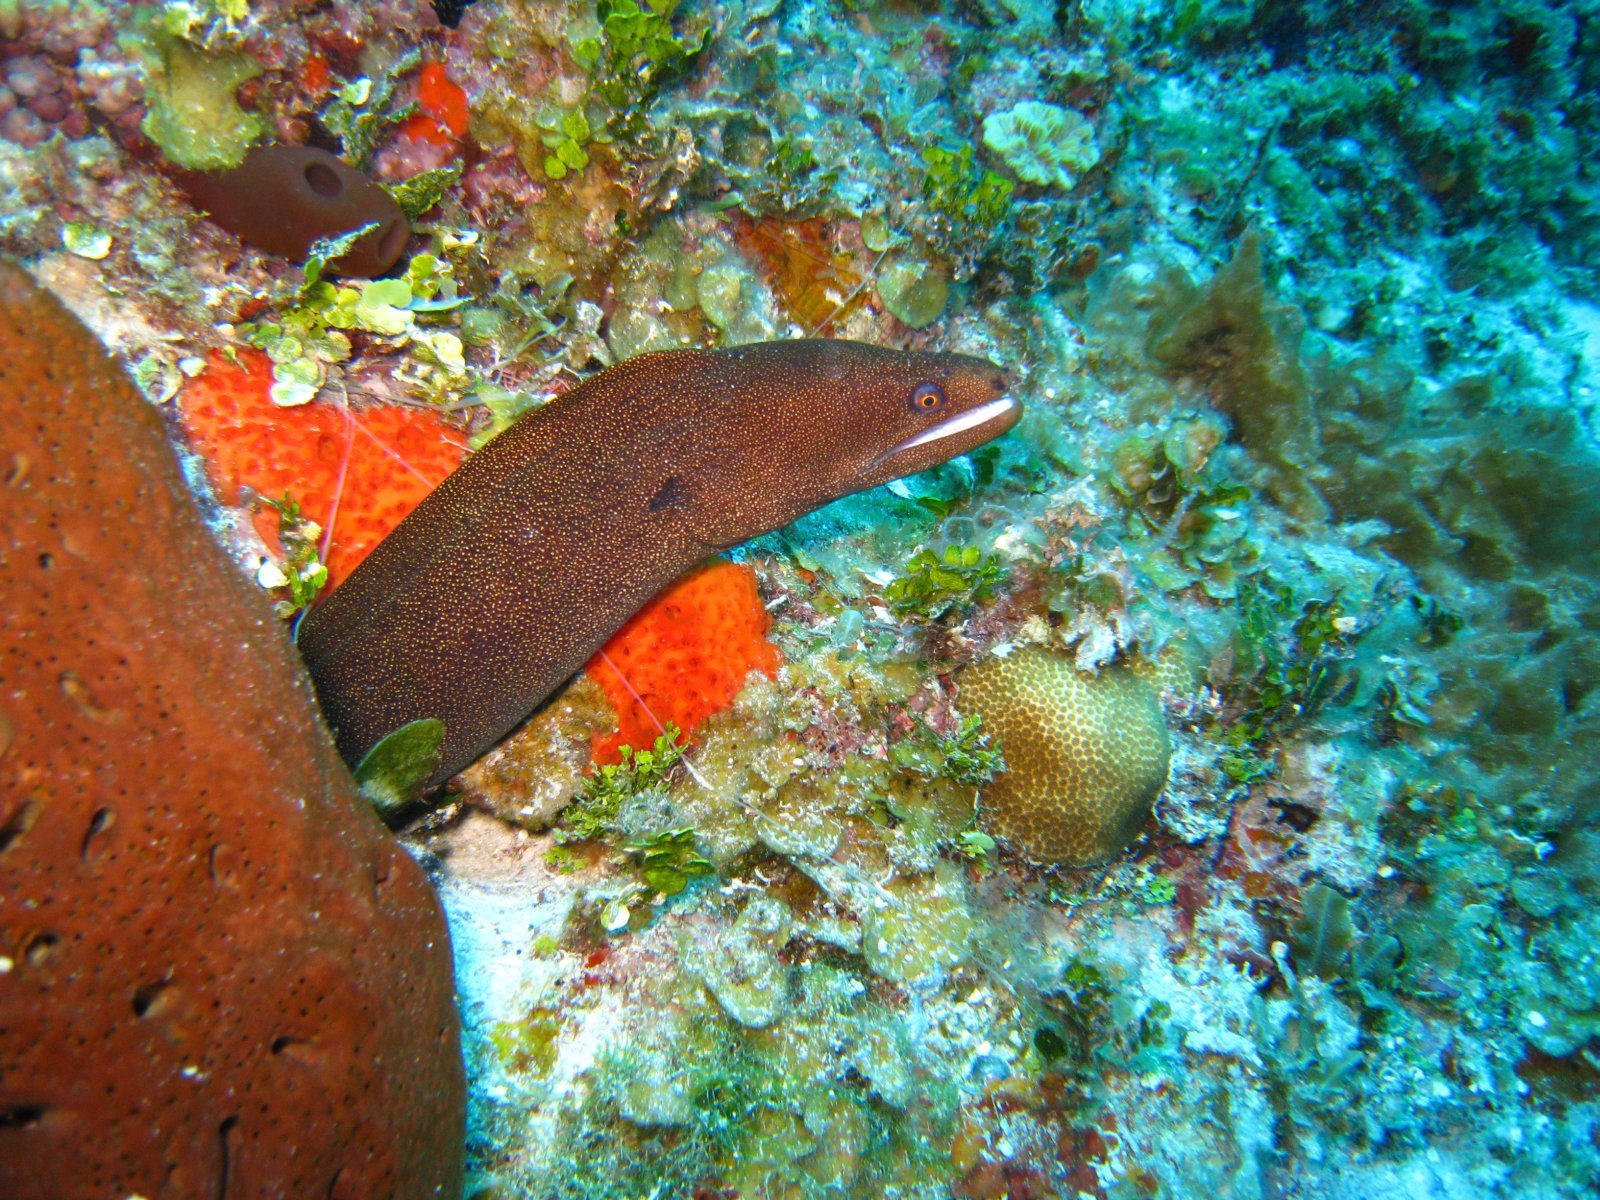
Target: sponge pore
(1086,755)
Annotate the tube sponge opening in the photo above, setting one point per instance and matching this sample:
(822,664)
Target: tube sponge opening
(283,199)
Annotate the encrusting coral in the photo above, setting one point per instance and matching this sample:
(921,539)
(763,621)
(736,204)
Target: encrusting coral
(1086,755)
(218,974)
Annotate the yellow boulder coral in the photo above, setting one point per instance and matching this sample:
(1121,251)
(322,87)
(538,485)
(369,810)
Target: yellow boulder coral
(1086,755)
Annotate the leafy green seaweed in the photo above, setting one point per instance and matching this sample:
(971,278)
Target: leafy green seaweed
(393,772)
(935,584)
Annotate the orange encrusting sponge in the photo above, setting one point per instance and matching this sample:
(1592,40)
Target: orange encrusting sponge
(442,114)
(392,457)
(686,654)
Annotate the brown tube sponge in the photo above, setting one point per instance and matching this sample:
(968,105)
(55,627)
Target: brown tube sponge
(282,199)
(219,976)
(1086,755)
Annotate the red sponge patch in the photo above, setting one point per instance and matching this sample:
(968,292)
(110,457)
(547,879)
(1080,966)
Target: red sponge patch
(442,114)
(685,654)
(355,473)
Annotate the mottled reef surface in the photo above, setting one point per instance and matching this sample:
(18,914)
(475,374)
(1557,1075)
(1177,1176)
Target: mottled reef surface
(1299,296)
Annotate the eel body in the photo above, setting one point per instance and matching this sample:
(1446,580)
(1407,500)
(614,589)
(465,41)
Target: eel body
(520,565)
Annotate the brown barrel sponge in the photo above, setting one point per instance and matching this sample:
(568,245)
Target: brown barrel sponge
(219,974)
(282,199)
(1086,755)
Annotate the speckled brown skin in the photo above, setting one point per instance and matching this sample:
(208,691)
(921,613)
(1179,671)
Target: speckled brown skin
(522,563)
(219,975)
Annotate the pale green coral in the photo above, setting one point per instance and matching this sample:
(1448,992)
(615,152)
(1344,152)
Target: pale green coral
(1042,143)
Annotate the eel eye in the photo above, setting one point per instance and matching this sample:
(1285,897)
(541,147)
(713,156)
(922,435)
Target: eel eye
(928,397)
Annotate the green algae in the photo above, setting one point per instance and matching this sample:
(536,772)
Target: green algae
(934,585)
(301,573)
(914,289)
(193,114)
(923,929)
(392,773)
(528,1046)
(742,968)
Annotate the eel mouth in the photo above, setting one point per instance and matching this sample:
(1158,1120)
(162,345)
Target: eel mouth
(968,430)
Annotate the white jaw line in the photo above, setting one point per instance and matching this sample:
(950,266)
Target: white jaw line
(981,415)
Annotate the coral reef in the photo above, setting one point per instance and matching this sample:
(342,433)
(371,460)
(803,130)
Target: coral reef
(1299,299)
(1085,756)
(200,915)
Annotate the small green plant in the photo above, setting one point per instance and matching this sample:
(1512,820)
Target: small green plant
(637,53)
(669,860)
(1080,1005)
(968,756)
(935,584)
(359,114)
(566,142)
(593,815)
(393,773)
(1159,889)
(1187,522)
(964,193)
(1210,542)
(1322,936)
(561,860)
(302,573)
(309,339)
(952,485)
(979,847)
(1293,662)
(423,190)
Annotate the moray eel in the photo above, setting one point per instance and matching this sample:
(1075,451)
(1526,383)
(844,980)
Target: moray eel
(520,565)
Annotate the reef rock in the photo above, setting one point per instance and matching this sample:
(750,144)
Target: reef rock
(219,976)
